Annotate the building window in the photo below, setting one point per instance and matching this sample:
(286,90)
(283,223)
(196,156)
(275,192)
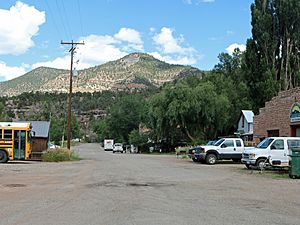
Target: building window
(273,133)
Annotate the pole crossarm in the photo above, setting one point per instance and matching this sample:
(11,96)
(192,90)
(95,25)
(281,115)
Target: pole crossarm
(73,47)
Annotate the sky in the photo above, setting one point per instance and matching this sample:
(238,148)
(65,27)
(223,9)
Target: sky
(187,32)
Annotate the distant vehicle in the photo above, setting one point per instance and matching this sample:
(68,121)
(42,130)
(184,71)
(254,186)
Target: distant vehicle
(133,149)
(155,148)
(118,147)
(108,144)
(52,146)
(272,150)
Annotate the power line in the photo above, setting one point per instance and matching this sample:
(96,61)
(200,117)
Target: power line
(62,20)
(67,21)
(80,18)
(53,19)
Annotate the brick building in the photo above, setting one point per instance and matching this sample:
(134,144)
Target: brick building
(279,117)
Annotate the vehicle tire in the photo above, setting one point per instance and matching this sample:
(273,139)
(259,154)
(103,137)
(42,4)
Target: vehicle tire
(260,163)
(195,160)
(3,156)
(211,159)
(292,176)
(113,151)
(248,166)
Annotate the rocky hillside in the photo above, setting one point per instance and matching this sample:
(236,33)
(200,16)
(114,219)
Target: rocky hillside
(132,72)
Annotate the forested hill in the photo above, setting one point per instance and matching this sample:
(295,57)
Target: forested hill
(135,71)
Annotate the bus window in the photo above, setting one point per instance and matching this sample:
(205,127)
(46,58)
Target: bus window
(7,134)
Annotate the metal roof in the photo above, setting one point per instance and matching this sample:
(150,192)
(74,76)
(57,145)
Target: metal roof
(248,114)
(41,128)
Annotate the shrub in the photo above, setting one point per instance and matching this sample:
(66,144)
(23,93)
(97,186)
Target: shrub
(59,155)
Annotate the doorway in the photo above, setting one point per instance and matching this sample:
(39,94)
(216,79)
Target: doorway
(295,130)
(19,144)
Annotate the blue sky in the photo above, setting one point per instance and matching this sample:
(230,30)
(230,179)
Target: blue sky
(188,32)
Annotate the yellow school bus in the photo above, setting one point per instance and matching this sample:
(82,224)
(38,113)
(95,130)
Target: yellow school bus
(15,141)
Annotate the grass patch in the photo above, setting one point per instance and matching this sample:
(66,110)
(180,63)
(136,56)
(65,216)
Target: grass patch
(59,155)
(274,173)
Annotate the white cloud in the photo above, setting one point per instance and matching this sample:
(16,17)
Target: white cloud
(173,59)
(59,63)
(230,49)
(99,49)
(131,36)
(10,72)
(172,50)
(189,2)
(17,27)
(167,42)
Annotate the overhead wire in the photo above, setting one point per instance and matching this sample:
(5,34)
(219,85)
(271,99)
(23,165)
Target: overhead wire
(67,21)
(80,17)
(62,20)
(53,19)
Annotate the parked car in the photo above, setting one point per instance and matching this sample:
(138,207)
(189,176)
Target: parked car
(193,151)
(118,147)
(52,146)
(156,148)
(225,148)
(274,151)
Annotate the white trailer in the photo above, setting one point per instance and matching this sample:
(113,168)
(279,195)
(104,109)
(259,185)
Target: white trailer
(108,144)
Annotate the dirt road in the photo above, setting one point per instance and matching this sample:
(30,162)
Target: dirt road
(121,189)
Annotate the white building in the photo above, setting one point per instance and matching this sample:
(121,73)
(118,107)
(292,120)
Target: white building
(245,125)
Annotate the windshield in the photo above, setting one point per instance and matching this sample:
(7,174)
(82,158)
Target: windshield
(219,142)
(265,143)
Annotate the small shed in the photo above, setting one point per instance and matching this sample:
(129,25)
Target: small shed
(41,138)
(245,125)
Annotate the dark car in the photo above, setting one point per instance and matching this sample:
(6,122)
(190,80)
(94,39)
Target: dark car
(193,151)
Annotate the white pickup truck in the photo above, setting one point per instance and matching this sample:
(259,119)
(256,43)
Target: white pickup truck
(225,148)
(272,150)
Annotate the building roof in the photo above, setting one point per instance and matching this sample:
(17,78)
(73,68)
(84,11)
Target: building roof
(41,128)
(248,114)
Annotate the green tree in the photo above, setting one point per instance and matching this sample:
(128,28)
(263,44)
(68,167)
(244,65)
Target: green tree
(196,112)
(272,54)
(125,116)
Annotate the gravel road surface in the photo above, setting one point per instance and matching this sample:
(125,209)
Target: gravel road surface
(134,189)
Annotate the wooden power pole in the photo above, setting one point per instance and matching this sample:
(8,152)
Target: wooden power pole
(72,50)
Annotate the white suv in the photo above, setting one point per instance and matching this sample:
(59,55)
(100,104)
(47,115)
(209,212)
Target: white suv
(272,150)
(118,147)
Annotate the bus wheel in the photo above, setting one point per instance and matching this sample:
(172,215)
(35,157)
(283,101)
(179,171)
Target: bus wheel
(3,156)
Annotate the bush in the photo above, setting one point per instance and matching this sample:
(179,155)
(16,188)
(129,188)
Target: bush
(181,150)
(59,155)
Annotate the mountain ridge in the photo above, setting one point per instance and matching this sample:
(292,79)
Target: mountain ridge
(131,72)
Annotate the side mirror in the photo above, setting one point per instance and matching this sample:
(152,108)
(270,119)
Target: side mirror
(273,147)
(223,146)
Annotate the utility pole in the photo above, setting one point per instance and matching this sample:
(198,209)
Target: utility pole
(72,50)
